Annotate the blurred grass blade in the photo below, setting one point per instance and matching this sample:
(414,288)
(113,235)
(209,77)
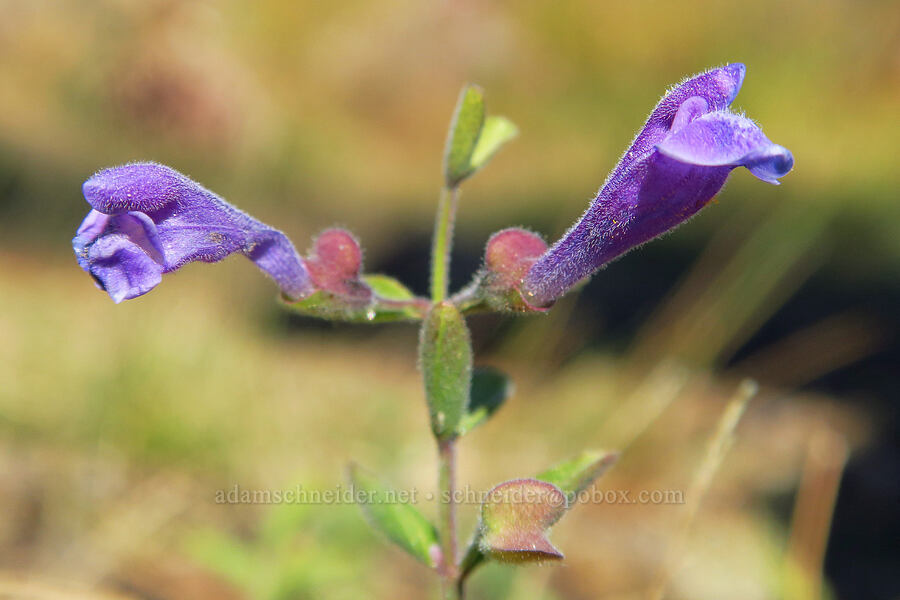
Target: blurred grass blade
(495,133)
(826,457)
(644,405)
(489,390)
(465,128)
(446,356)
(577,474)
(732,289)
(399,521)
(716,450)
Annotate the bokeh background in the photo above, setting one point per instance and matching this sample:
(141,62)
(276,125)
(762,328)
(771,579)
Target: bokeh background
(118,424)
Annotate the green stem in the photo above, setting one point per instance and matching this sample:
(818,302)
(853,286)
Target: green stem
(443,241)
(471,559)
(440,266)
(447,517)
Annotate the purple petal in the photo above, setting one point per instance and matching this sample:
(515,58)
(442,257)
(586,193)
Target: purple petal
(717,88)
(122,267)
(89,230)
(676,164)
(725,139)
(122,253)
(656,196)
(173,221)
(691,109)
(138,186)
(769,163)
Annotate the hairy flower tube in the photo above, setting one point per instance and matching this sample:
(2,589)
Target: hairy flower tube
(148,219)
(676,164)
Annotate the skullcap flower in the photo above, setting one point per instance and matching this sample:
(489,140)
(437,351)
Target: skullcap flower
(676,164)
(148,219)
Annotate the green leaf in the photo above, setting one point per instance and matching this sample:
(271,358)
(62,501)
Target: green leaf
(515,517)
(445,353)
(388,288)
(577,474)
(494,134)
(465,128)
(473,139)
(391,302)
(490,388)
(390,513)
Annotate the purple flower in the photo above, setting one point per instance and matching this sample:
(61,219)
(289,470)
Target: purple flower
(148,219)
(676,164)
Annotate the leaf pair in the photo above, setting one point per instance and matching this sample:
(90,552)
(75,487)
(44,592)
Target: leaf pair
(473,139)
(516,514)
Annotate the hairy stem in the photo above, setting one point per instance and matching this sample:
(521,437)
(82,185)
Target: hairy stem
(447,516)
(451,587)
(443,241)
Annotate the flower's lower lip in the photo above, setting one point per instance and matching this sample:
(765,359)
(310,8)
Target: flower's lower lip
(784,162)
(148,219)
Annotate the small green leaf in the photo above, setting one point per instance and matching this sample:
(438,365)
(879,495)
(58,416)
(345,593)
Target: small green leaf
(391,302)
(388,288)
(390,513)
(446,357)
(494,134)
(577,474)
(490,388)
(462,138)
(514,519)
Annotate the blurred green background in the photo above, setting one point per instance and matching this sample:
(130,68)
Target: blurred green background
(119,423)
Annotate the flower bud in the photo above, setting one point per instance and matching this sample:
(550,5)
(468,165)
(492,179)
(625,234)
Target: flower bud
(508,257)
(510,253)
(335,264)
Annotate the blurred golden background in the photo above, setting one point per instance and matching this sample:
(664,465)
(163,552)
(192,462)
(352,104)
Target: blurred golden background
(118,424)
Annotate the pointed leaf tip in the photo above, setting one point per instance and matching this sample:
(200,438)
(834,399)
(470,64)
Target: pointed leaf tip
(465,128)
(577,474)
(390,512)
(473,138)
(496,132)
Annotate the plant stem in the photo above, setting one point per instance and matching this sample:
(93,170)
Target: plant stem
(451,587)
(443,241)
(447,516)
